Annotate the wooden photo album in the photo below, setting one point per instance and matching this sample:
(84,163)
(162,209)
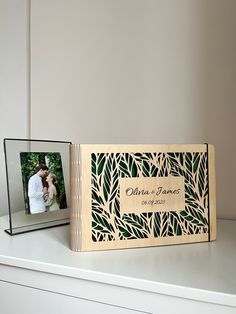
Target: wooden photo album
(124,196)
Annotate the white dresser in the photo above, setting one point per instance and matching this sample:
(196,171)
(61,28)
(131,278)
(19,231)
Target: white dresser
(40,274)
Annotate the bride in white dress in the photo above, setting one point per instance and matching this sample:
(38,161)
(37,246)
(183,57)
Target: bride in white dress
(51,202)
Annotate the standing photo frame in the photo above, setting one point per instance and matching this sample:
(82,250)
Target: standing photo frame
(37,177)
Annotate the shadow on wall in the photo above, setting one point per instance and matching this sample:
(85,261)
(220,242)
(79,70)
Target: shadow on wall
(221,99)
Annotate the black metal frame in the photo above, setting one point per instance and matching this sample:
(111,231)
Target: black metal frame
(10,230)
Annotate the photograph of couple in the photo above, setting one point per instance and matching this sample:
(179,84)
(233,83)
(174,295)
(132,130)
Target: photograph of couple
(43,182)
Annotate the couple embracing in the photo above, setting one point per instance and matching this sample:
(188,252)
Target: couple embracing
(43,191)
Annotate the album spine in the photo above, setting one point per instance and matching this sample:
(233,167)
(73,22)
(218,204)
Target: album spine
(75,198)
(212,192)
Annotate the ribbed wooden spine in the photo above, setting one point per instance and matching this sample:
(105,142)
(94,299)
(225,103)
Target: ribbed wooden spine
(75,198)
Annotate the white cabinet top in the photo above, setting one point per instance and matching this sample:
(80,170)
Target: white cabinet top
(199,271)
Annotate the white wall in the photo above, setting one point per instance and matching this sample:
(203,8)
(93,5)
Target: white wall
(14,102)
(221,98)
(138,71)
(149,71)
(118,71)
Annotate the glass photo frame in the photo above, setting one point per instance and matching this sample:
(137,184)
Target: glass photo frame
(37,174)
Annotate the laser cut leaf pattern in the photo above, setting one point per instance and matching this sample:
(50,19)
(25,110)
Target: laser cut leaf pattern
(108,224)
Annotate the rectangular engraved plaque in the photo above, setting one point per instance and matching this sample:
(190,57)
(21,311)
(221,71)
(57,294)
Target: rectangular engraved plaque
(143,194)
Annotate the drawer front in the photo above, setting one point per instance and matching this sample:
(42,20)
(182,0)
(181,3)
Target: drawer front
(25,300)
